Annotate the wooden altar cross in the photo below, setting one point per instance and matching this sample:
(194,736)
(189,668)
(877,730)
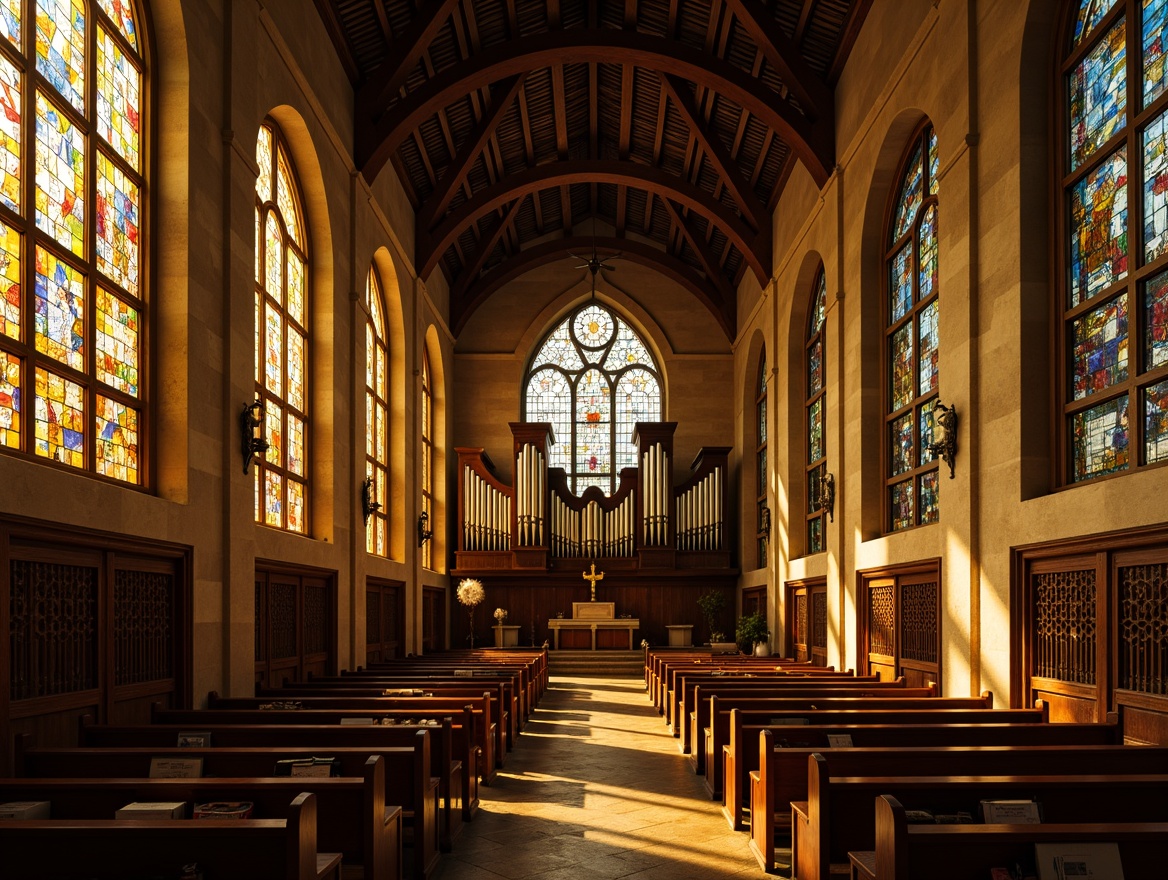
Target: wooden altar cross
(592,577)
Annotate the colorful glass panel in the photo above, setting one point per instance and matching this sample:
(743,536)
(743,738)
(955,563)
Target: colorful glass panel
(116,453)
(1098,95)
(60,310)
(121,12)
(1100,347)
(60,419)
(1099,437)
(594,451)
(1091,12)
(286,199)
(369,417)
(815,430)
(902,444)
(928,254)
(258,336)
(560,351)
(273,499)
(815,535)
(117,224)
(926,422)
(911,195)
(815,367)
(819,307)
(11,135)
(116,343)
(10,15)
(60,177)
(295,369)
(1156,188)
(296,288)
(901,358)
(380,385)
(638,399)
(902,283)
(295,446)
(273,259)
(381,424)
(274,432)
(273,351)
(930,506)
(118,99)
(9,400)
(1155,23)
(1156,321)
(592,398)
(10,290)
(264,163)
(60,47)
(296,507)
(594,326)
(930,341)
(1099,229)
(1156,423)
(370,355)
(373,300)
(934,162)
(901,500)
(626,350)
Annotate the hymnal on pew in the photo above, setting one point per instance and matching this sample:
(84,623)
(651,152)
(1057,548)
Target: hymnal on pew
(308,767)
(24,810)
(176,768)
(1078,861)
(223,810)
(1010,812)
(152,810)
(194,739)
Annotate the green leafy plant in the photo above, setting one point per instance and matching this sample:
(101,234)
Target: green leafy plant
(712,603)
(751,628)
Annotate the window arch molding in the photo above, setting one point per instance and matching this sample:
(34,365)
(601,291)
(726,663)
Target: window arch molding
(388,275)
(592,375)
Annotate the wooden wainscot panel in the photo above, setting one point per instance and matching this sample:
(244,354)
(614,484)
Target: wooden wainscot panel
(1067,708)
(1142,727)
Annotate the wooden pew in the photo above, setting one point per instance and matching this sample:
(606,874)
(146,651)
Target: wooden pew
(352,815)
(515,681)
(839,813)
(533,662)
(952,710)
(968,852)
(658,666)
(671,684)
(112,849)
(408,779)
(748,757)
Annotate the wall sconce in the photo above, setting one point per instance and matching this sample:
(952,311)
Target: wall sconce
(944,444)
(827,494)
(368,505)
(424,534)
(252,442)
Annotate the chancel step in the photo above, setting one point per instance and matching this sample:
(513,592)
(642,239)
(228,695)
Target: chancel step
(614,663)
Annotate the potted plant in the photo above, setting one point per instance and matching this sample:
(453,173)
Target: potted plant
(712,603)
(752,633)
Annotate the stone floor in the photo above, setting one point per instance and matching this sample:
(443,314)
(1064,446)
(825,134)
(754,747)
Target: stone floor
(596,789)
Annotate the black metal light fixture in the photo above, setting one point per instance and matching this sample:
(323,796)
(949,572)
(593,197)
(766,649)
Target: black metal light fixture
(424,534)
(944,444)
(368,505)
(827,494)
(251,431)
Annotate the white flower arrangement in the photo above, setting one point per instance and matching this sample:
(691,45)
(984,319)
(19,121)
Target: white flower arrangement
(470,592)
(500,615)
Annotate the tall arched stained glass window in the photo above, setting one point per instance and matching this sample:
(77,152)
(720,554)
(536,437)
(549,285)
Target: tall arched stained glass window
(1114,296)
(73,308)
(762,511)
(427,455)
(281,342)
(816,404)
(376,419)
(593,378)
(912,342)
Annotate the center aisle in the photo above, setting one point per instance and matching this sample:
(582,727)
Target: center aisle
(596,789)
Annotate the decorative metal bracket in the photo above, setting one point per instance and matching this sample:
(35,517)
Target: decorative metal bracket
(368,505)
(424,534)
(827,494)
(944,444)
(252,442)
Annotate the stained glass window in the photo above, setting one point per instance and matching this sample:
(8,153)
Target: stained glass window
(376,419)
(912,341)
(815,406)
(72,304)
(282,367)
(762,535)
(1114,339)
(593,378)
(427,480)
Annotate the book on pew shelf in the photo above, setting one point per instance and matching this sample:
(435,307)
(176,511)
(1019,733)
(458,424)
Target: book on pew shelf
(194,739)
(176,768)
(1078,861)
(839,740)
(464,673)
(794,722)
(25,810)
(402,692)
(1010,812)
(223,810)
(307,767)
(356,722)
(919,817)
(961,817)
(152,810)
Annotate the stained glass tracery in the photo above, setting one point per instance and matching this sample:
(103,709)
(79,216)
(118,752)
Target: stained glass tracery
(815,414)
(593,378)
(376,419)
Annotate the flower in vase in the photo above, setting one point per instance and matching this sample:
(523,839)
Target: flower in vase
(470,592)
(500,615)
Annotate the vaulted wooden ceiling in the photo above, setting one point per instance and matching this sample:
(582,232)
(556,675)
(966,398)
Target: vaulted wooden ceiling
(663,130)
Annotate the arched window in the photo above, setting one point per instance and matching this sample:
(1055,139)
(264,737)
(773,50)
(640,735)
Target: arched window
(912,341)
(376,419)
(762,526)
(427,455)
(1114,397)
(73,308)
(281,342)
(593,378)
(816,404)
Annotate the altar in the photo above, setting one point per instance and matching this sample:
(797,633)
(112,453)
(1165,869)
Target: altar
(593,626)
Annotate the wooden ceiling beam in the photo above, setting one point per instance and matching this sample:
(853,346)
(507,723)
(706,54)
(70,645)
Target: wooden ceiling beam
(626,109)
(638,252)
(405,52)
(755,245)
(812,141)
(487,246)
(566,208)
(622,206)
(502,96)
(751,206)
(700,249)
(812,93)
(560,110)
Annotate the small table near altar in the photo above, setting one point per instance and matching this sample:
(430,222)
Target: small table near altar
(593,626)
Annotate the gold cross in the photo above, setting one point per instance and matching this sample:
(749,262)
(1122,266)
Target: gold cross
(593,577)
